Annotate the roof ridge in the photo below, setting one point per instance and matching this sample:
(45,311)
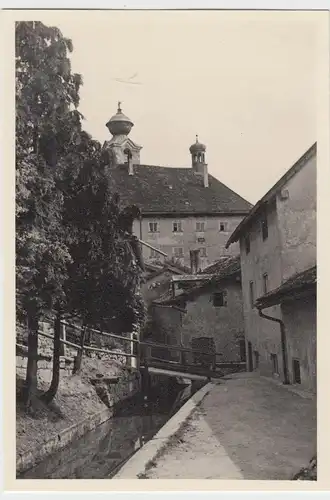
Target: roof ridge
(293,170)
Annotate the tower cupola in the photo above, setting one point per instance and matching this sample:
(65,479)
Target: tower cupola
(119,124)
(197,151)
(124,151)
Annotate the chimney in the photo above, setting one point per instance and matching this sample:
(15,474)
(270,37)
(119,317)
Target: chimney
(198,164)
(194,261)
(206,175)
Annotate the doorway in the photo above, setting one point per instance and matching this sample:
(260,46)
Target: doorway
(250,357)
(296,371)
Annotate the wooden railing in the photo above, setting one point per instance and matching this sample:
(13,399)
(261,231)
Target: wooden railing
(142,353)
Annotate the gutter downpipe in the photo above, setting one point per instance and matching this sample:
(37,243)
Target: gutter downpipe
(286,380)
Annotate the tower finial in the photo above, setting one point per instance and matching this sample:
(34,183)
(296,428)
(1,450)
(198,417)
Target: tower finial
(119,107)
(196,137)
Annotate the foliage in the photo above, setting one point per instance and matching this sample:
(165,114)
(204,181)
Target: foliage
(46,125)
(74,247)
(104,275)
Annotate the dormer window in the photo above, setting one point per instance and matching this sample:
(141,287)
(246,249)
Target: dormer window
(128,155)
(223,227)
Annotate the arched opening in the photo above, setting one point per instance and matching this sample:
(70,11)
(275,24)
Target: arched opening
(128,155)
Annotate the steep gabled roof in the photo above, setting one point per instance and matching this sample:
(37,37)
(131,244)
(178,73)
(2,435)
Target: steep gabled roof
(180,191)
(302,282)
(270,195)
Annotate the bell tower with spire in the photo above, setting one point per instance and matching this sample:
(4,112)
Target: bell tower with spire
(197,151)
(123,149)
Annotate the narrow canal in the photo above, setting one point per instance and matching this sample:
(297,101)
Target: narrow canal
(102,452)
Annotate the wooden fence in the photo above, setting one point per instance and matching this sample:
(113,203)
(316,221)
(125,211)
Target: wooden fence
(140,351)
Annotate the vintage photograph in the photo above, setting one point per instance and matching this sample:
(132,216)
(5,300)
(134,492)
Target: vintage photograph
(166,266)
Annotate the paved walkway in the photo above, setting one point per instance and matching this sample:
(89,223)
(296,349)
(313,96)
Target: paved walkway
(245,428)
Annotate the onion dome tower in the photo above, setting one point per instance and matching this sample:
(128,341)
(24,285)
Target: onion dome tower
(123,149)
(119,124)
(197,151)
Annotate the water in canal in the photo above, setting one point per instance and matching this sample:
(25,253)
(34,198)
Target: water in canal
(100,453)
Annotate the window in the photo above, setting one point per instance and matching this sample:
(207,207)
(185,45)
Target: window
(178,252)
(247,243)
(296,371)
(128,155)
(220,299)
(264,226)
(265,282)
(177,227)
(223,227)
(201,240)
(202,252)
(251,293)
(273,358)
(256,360)
(153,254)
(200,227)
(153,227)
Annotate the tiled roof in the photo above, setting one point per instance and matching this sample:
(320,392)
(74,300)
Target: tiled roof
(301,282)
(227,267)
(168,190)
(153,270)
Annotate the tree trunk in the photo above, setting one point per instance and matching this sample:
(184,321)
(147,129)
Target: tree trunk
(48,396)
(31,381)
(77,363)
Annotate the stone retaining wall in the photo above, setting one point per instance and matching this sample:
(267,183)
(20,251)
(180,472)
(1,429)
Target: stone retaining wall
(127,385)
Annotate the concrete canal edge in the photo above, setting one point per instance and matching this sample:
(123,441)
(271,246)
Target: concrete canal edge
(30,458)
(137,464)
(129,386)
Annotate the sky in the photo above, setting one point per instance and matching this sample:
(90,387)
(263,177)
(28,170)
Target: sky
(243,81)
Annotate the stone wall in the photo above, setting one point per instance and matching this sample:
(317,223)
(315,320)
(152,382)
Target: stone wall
(299,317)
(201,319)
(45,368)
(224,324)
(45,350)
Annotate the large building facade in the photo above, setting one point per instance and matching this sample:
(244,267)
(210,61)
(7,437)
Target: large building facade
(183,210)
(278,263)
